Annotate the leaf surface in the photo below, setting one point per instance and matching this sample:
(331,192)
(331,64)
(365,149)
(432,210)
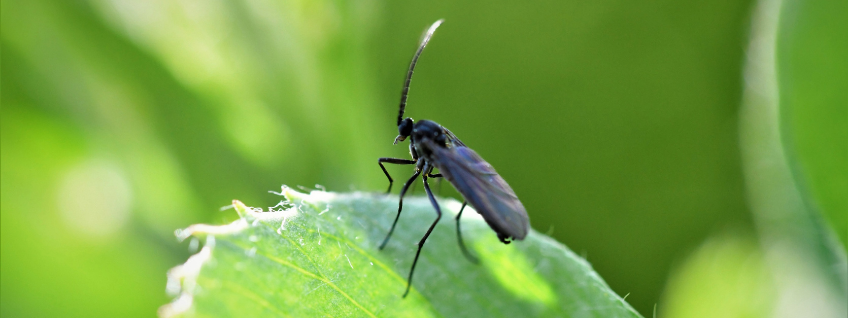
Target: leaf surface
(317,256)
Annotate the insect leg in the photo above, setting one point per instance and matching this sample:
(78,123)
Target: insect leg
(439,182)
(429,175)
(424,239)
(413,187)
(400,206)
(465,252)
(398,161)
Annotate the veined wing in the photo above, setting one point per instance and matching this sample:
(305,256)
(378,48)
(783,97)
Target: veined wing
(453,139)
(483,188)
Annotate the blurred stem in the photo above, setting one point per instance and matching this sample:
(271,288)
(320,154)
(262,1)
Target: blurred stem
(794,241)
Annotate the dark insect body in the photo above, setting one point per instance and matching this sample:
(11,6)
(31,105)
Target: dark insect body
(433,146)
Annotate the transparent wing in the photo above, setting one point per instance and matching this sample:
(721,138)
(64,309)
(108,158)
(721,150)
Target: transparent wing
(483,188)
(453,139)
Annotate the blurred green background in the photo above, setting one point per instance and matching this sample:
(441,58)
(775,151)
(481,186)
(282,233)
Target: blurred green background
(696,153)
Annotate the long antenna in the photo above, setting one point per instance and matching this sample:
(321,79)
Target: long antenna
(405,91)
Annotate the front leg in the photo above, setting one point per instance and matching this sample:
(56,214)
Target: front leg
(397,161)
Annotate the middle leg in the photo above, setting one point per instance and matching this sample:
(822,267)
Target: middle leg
(424,239)
(400,206)
(438,182)
(465,252)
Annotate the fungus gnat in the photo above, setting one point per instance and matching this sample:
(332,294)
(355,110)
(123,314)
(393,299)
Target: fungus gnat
(434,146)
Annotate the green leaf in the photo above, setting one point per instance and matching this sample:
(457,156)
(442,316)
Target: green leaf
(727,276)
(813,75)
(316,255)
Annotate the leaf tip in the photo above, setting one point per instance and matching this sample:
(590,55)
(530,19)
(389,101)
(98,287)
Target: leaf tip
(242,210)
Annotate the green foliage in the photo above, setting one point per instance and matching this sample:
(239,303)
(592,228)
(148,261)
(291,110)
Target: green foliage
(614,121)
(813,75)
(727,276)
(318,257)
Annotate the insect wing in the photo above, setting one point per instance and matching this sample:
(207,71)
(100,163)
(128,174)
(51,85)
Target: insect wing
(454,140)
(483,188)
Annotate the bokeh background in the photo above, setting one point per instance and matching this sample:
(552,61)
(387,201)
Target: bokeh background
(696,153)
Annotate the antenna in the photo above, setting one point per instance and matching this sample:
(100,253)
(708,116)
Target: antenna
(405,92)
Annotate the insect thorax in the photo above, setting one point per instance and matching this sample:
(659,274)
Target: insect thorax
(426,130)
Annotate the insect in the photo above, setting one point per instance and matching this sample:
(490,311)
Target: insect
(433,146)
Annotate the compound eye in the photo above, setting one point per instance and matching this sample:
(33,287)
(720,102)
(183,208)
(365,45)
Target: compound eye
(405,127)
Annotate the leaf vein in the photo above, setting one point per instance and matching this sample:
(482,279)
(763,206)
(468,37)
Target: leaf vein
(314,276)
